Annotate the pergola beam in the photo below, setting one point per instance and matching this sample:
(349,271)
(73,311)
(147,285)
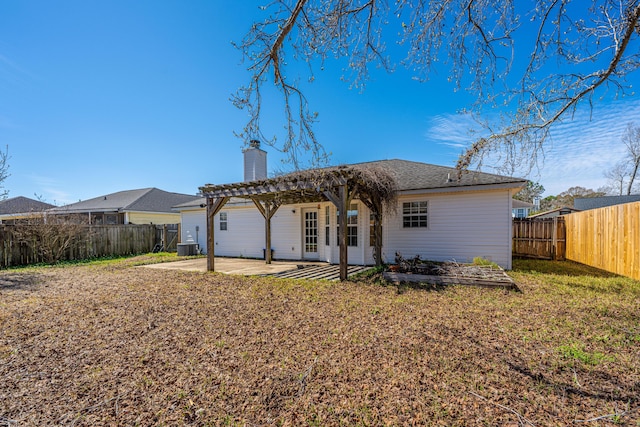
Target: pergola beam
(337,185)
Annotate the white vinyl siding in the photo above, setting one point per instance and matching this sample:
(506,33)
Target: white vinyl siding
(194,223)
(414,214)
(245,233)
(462,226)
(286,232)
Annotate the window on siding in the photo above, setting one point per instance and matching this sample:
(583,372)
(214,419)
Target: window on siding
(352,226)
(372,231)
(414,214)
(223,221)
(326,226)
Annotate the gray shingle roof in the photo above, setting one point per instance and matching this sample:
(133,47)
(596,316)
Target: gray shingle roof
(20,204)
(142,200)
(515,203)
(422,176)
(409,175)
(585,203)
(196,203)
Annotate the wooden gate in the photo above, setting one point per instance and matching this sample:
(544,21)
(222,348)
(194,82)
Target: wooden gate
(167,237)
(539,238)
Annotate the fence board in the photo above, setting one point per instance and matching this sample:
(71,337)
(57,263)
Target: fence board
(95,241)
(539,238)
(607,238)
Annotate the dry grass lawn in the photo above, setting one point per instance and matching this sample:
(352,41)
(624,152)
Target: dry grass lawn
(106,344)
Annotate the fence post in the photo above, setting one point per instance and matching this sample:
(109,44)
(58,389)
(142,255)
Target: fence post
(554,239)
(165,238)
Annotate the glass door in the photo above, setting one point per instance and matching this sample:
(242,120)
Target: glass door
(310,230)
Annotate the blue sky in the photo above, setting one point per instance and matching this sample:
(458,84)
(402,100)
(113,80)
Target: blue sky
(98,97)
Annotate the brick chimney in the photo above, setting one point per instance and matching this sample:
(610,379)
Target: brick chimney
(255,162)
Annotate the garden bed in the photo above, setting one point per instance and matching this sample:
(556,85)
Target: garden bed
(448,273)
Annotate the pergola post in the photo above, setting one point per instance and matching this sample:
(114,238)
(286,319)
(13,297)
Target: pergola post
(377,229)
(375,206)
(341,201)
(267,210)
(342,223)
(213,207)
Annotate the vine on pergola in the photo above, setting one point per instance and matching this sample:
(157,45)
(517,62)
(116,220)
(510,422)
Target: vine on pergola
(373,185)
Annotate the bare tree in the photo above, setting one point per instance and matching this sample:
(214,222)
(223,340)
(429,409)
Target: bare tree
(4,172)
(617,178)
(631,140)
(579,51)
(51,237)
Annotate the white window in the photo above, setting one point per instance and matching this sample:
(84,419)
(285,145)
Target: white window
(326,225)
(414,214)
(223,221)
(352,226)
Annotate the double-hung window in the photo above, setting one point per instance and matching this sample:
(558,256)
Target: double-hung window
(414,214)
(352,225)
(326,225)
(223,221)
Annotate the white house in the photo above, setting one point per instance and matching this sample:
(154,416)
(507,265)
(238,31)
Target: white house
(438,217)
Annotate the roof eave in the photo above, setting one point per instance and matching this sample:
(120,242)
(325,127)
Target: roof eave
(463,188)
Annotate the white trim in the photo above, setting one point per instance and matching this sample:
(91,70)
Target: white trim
(483,187)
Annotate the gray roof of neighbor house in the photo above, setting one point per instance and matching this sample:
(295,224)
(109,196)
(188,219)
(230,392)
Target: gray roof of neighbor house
(515,203)
(142,200)
(586,203)
(563,210)
(20,204)
(200,202)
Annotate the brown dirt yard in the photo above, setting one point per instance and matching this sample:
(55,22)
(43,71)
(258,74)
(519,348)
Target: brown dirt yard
(110,344)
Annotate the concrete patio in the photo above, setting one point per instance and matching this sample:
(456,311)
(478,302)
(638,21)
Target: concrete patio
(257,267)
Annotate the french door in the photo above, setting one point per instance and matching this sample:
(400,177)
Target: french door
(310,234)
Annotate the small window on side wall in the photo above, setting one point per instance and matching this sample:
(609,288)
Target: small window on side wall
(223,221)
(414,214)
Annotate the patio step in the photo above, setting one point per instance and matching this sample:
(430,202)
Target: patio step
(316,272)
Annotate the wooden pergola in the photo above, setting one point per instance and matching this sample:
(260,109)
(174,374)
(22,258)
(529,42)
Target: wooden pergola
(374,186)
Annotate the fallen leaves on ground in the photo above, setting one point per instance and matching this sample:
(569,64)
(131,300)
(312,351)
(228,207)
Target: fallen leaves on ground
(104,345)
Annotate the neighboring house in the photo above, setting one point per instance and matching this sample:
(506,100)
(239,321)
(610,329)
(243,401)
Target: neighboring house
(143,206)
(437,217)
(565,210)
(18,208)
(586,203)
(520,209)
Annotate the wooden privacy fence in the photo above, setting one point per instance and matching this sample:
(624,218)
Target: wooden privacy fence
(607,238)
(539,238)
(56,243)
